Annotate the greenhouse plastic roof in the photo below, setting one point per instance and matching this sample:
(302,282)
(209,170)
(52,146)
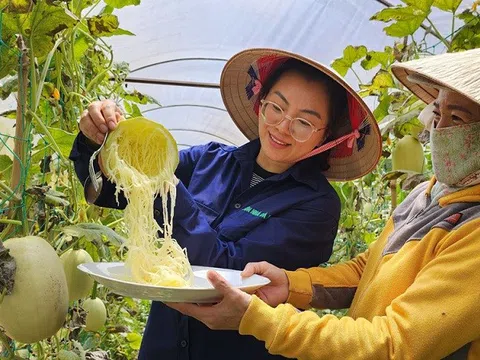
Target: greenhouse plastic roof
(190,40)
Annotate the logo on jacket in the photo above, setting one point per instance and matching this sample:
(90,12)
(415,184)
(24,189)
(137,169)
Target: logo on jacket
(257,213)
(454,219)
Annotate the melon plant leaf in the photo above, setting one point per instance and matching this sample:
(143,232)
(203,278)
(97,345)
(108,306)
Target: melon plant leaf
(406,19)
(351,54)
(118,4)
(447,5)
(93,232)
(375,58)
(380,82)
(102,25)
(17,6)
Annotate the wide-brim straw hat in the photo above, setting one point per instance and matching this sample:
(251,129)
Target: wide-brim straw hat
(453,71)
(357,152)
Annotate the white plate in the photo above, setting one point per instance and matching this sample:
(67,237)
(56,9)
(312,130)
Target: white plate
(113,275)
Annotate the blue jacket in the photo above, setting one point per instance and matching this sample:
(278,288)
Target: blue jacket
(289,219)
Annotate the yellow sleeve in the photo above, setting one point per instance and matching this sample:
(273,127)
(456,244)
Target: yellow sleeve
(335,288)
(438,314)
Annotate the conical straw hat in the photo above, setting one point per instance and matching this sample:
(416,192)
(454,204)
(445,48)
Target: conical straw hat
(459,72)
(244,69)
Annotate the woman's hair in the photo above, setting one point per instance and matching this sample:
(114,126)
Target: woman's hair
(338,103)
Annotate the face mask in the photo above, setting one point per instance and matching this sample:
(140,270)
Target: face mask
(456,154)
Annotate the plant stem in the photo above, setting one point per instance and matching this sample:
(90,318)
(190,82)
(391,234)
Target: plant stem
(33,73)
(40,352)
(10,221)
(84,98)
(358,77)
(73,187)
(38,93)
(9,191)
(69,247)
(17,182)
(94,291)
(49,136)
(442,39)
(453,23)
(57,343)
(115,222)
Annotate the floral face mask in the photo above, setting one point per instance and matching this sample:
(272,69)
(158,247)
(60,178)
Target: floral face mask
(456,154)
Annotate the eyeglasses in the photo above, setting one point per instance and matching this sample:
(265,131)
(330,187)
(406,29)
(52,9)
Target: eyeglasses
(300,129)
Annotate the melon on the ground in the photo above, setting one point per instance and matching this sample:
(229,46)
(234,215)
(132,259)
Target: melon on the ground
(38,304)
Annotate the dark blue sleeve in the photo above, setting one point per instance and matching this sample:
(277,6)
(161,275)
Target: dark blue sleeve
(300,237)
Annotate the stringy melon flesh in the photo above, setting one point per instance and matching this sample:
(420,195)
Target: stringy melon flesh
(140,157)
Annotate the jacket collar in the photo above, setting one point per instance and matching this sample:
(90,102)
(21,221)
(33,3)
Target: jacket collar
(306,171)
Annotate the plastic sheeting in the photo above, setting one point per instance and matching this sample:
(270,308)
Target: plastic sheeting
(171,34)
(185,29)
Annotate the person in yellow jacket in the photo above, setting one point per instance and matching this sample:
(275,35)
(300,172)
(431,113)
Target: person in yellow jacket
(415,293)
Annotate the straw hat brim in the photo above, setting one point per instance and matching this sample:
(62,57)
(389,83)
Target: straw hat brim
(453,71)
(234,80)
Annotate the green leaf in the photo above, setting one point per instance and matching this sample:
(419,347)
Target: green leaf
(5,162)
(469,17)
(351,54)
(120,31)
(467,37)
(140,98)
(9,86)
(402,123)
(94,232)
(369,237)
(80,46)
(107,10)
(39,26)
(134,340)
(118,4)
(17,6)
(404,28)
(9,114)
(79,5)
(412,127)
(5,167)
(102,25)
(382,109)
(380,82)
(423,5)
(375,58)
(136,111)
(8,54)
(406,19)
(63,139)
(447,5)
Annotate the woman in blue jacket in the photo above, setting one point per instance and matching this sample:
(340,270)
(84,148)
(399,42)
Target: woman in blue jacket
(269,199)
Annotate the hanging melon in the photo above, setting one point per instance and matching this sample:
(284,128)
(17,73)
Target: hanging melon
(408,155)
(79,283)
(140,157)
(38,304)
(96,314)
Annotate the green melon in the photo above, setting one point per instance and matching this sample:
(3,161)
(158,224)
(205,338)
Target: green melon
(96,314)
(38,305)
(408,155)
(79,283)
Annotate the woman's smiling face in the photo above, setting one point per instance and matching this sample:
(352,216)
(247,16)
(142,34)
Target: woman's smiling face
(298,97)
